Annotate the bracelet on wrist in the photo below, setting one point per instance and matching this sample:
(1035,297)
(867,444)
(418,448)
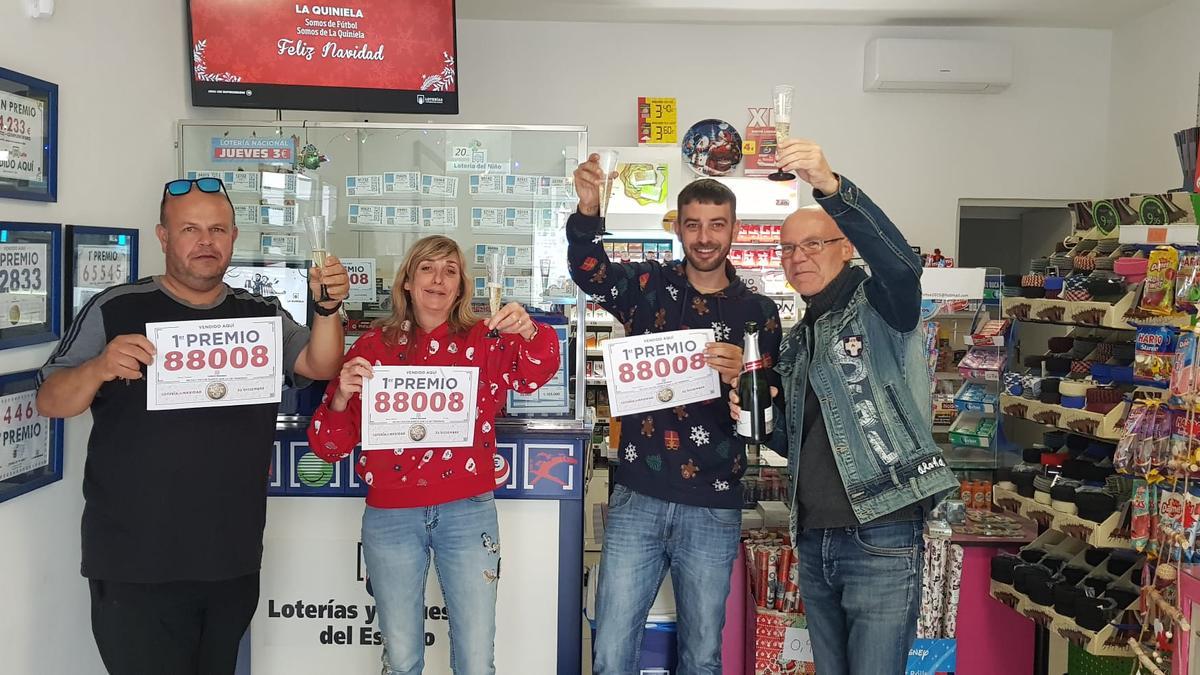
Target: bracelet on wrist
(321,311)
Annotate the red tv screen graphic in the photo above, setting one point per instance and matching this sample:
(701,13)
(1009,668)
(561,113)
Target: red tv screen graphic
(249,53)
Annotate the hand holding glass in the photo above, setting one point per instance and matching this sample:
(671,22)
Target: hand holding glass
(608,164)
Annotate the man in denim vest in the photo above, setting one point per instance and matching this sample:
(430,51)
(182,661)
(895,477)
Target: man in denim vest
(857,414)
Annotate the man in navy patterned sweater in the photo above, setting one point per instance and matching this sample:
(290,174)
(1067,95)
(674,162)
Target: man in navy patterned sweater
(677,498)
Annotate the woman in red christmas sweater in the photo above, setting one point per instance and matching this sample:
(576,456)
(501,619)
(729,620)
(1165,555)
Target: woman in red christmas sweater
(439,499)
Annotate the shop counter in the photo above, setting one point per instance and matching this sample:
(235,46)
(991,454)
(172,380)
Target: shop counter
(991,638)
(315,614)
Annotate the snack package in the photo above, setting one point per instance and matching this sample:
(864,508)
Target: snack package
(1191,523)
(1187,283)
(1158,297)
(1135,425)
(1185,435)
(1155,352)
(1171,506)
(1142,506)
(1183,366)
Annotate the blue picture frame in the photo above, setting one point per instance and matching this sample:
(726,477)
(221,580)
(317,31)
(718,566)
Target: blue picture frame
(52,471)
(47,330)
(88,235)
(45,190)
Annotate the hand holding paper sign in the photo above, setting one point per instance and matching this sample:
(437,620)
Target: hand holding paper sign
(350,382)
(123,357)
(724,358)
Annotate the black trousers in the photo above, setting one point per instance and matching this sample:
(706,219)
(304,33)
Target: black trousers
(175,628)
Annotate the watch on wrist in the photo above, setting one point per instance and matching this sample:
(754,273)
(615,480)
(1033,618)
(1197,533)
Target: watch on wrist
(321,311)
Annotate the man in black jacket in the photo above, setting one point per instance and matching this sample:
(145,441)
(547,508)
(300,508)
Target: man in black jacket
(677,498)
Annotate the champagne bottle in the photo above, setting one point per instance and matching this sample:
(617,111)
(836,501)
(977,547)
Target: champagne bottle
(755,418)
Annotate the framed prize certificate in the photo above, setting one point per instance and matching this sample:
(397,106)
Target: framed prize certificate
(31,449)
(29,283)
(97,258)
(28,137)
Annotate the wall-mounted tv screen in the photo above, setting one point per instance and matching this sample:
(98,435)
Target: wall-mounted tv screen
(396,56)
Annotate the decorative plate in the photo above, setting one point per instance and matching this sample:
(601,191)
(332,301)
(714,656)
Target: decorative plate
(712,147)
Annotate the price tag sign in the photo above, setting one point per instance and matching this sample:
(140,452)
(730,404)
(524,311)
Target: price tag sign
(658,371)
(657,121)
(24,284)
(419,407)
(215,363)
(362,279)
(24,435)
(797,645)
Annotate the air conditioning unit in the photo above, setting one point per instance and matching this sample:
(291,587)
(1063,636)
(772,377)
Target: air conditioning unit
(940,66)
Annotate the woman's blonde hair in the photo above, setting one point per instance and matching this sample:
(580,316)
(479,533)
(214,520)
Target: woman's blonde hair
(403,320)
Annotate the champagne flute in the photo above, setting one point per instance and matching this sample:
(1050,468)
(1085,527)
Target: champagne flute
(608,164)
(495,285)
(783,95)
(317,230)
(544,265)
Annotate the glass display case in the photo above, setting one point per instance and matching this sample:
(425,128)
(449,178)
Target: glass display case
(380,187)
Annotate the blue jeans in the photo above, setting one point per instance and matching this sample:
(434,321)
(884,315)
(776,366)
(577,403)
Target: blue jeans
(644,537)
(861,588)
(465,541)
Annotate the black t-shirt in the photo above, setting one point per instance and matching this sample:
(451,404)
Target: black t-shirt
(171,495)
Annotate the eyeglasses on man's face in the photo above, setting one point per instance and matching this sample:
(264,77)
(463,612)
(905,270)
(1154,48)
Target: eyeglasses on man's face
(809,248)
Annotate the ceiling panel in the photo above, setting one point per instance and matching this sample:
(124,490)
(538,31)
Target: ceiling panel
(1059,13)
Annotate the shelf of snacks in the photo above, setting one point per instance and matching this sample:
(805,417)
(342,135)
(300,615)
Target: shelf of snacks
(1135,389)
(962,379)
(976,397)
(1103,534)
(973,430)
(1075,420)
(1082,593)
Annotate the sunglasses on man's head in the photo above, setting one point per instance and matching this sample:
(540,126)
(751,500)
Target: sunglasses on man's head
(182,186)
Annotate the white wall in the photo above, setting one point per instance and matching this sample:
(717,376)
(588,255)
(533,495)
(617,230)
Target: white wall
(121,77)
(122,70)
(1155,65)
(916,154)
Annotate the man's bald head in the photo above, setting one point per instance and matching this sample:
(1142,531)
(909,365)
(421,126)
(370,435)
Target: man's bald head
(810,272)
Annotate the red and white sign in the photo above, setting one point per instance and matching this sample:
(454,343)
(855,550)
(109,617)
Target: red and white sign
(658,371)
(369,44)
(362,279)
(215,363)
(419,407)
(758,143)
